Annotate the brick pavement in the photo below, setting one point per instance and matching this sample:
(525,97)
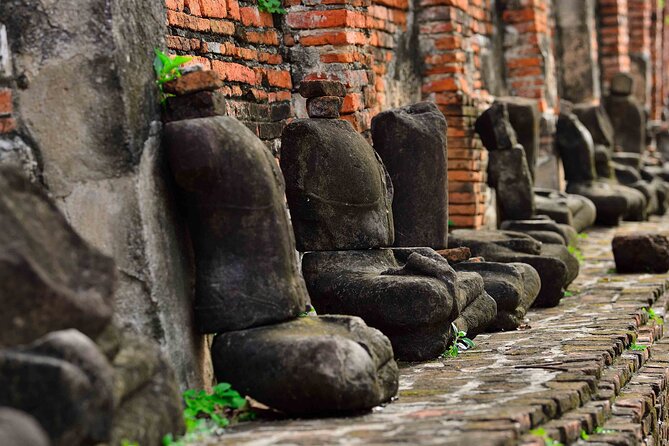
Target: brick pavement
(572,372)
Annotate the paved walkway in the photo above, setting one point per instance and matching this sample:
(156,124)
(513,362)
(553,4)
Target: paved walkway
(576,372)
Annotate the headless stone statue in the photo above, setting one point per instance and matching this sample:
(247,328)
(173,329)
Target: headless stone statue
(576,148)
(249,290)
(619,167)
(340,199)
(572,210)
(411,141)
(627,116)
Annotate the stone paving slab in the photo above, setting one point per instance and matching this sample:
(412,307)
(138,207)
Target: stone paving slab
(569,371)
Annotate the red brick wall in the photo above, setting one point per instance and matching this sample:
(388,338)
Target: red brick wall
(657,22)
(451,33)
(529,62)
(613,38)
(639,23)
(7,122)
(244,47)
(353,41)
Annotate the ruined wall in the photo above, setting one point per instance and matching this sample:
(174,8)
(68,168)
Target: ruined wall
(640,47)
(657,23)
(531,73)
(454,41)
(613,32)
(85,107)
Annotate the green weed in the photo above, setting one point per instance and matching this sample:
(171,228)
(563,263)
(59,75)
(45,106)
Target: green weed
(573,250)
(271,6)
(568,293)
(584,435)
(653,316)
(167,69)
(460,343)
(548,441)
(601,430)
(129,443)
(207,412)
(637,348)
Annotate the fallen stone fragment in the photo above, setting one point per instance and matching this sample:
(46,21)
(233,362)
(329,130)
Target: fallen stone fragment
(323,365)
(324,107)
(641,253)
(456,255)
(20,429)
(50,278)
(194,82)
(318,88)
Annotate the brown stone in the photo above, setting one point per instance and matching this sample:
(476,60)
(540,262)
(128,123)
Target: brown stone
(456,255)
(318,88)
(193,83)
(641,253)
(324,107)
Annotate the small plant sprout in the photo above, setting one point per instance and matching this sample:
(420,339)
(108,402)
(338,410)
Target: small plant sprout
(271,6)
(582,235)
(167,68)
(129,443)
(653,316)
(568,293)
(206,413)
(460,343)
(601,430)
(548,441)
(584,435)
(637,347)
(573,250)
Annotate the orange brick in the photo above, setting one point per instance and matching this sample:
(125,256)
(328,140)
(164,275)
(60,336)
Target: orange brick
(233,10)
(269,37)
(466,221)
(279,78)
(175,5)
(193,6)
(250,16)
(213,8)
(222,27)
(352,103)
(181,20)
(7,125)
(5,101)
(235,72)
(332,18)
(334,38)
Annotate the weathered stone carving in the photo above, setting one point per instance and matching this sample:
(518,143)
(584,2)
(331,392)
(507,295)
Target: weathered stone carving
(412,144)
(340,199)
(620,167)
(627,116)
(573,210)
(613,201)
(248,287)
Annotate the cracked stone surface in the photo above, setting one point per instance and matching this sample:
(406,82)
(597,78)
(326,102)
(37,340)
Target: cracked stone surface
(570,370)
